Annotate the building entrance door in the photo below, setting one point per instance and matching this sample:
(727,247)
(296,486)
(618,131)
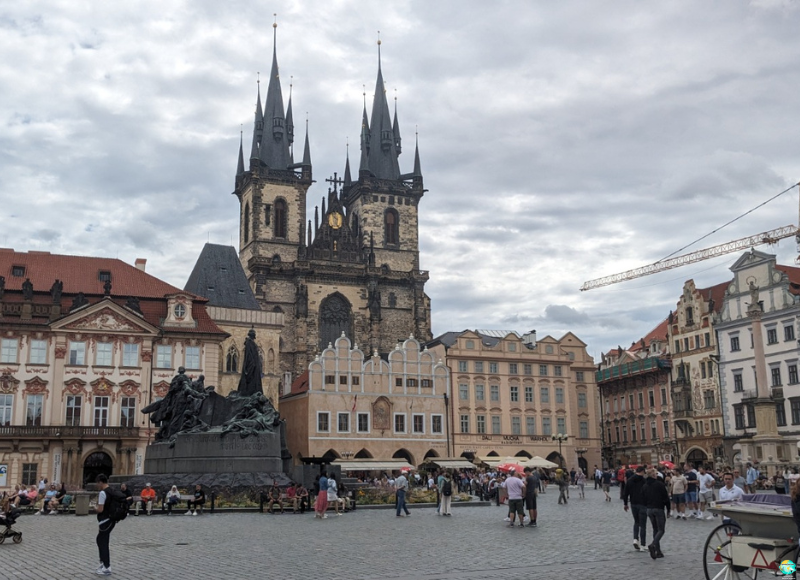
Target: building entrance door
(97,463)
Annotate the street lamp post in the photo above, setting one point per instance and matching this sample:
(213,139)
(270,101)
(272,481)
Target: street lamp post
(561,438)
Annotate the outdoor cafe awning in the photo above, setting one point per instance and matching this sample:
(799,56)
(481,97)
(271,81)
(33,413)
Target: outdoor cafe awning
(451,462)
(372,464)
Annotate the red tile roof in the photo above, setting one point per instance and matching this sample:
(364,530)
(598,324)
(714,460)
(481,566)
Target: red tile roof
(794,277)
(300,384)
(715,293)
(80,274)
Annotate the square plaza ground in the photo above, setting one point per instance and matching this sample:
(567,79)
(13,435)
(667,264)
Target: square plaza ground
(585,539)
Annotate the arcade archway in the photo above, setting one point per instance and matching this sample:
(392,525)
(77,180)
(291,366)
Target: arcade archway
(95,464)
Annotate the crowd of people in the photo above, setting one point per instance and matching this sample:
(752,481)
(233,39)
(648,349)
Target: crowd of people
(46,498)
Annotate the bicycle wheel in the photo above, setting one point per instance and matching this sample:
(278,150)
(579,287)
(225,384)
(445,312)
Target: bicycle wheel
(718,559)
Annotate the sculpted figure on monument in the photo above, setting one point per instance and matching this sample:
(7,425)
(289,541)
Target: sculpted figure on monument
(257,416)
(27,289)
(178,410)
(250,381)
(55,291)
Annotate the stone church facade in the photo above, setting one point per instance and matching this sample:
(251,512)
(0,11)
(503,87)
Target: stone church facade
(355,269)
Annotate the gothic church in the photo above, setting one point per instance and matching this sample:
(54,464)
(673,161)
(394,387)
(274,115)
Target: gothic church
(355,269)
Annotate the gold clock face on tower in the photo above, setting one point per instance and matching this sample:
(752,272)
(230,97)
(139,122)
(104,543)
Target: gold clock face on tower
(335,220)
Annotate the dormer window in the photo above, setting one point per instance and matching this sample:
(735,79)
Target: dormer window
(18,271)
(104,276)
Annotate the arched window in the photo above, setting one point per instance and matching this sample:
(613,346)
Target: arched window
(280,218)
(232,360)
(391,226)
(335,315)
(246,220)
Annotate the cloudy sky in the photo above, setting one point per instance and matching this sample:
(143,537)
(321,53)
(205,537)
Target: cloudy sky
(560,141)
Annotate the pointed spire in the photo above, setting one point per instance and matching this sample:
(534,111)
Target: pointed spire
(396,127)
(348,180)
(324,211)
(274,151)
(289,120)
(417,170)
(306,150)
(309,233)
(240,165)
(316,219)
(258,126)
(383,154)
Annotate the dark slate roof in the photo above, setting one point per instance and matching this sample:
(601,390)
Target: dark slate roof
(218,275)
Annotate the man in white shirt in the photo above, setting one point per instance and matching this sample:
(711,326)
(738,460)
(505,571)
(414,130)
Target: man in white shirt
(401,487)
(729,492)
(515,487)
(706,481)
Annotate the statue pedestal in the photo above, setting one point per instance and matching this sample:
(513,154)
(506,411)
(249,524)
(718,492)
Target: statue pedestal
(214,453)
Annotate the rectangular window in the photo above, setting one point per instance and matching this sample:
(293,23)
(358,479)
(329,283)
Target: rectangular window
(343,422)
(735,344)
(426,383)
(788,333)
(686,343)
(493,368)
(544,395)
(630,401)
(529,394)
(463,392)
(710,365)
(465,423)
(561,425)
(793,374)
(514,394)
(643,432)
(363,422)
(663,396)
(330,379)
(738,383)
(343,380)
(708,338)
(559,395)
(557,370)
(101,411)
(751,415)
(29,473)
(772,336)
(478,366)
(77,353)
(33,416)
(579,376)
(625,435)
(516,425)
(73,418)
(480,424)
(436,424)
(581,400)
(653,430)
(479,393)
(8,350)
(130,355)
(163,356)
(547,429)
(666,429)
(795,403)
(530,425)
(512,368)
(527,369)
(38,355)
(398,381)
(496,425)
(633,433)
(738,415)
(418,423)
(192,357)
(622,404)
(677,345)
(641,400)
(702,370)
(462,366)
(616,404)
(689,316)
(775,373)
(543,370)
(6,407)
(583,429)
(127,412)
(709,400)
(780,414)
(494,392)
(323,422)
(651,398)
(616,429)
(104,354)
(399,423)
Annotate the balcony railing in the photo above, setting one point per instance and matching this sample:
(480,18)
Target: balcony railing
(62,432)
(627,369)
(682,413)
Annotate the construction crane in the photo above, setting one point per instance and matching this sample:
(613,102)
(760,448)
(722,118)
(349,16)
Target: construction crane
(770,237)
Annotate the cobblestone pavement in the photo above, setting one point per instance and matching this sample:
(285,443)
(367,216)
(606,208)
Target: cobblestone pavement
(587,538)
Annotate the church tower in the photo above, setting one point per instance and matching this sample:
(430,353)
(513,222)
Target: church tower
(355,269)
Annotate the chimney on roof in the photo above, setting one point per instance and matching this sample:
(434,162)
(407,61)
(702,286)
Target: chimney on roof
(140,264)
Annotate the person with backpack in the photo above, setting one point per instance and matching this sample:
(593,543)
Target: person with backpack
(111,508)
(446,494)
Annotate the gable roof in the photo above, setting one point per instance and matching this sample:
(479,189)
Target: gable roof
(715,293)
(218,276)
(794,277)
(79,274)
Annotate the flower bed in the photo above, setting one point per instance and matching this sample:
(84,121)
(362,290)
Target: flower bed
(386,496)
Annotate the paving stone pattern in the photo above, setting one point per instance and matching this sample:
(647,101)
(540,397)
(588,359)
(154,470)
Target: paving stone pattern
(585,539)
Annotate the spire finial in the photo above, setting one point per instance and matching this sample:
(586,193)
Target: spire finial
(258,78)
(291,84)
(275,32)
(379,50)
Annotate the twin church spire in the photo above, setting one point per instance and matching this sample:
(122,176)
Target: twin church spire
(273,134)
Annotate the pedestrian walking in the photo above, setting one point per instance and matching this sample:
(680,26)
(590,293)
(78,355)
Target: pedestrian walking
(446,493)
(751,476)
(515,488)
(563,486)
(656,499)
(104,526)
(633,494)
(321,505)
(401,487)
(598,476)
(531,488)
(580,480)
(607,475)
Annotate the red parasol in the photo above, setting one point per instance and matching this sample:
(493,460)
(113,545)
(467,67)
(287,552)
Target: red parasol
(506,467)
(667,464)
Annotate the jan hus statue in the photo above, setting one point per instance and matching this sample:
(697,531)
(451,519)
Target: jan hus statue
(250,381)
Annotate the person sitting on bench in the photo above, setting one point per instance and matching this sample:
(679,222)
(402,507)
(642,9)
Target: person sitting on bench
(148,496)
(300,498)
(274,497)
(197,502)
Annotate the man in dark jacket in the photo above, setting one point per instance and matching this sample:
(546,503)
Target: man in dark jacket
(656,500)
(633,493)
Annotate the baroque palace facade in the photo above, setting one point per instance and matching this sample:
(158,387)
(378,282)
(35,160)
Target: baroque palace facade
(85,344)
(355,269)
